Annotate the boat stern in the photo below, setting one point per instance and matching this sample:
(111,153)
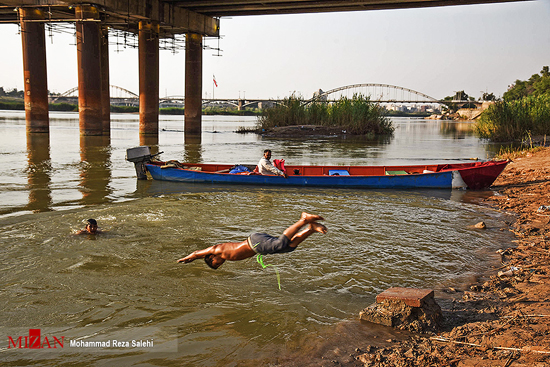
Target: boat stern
(139,156)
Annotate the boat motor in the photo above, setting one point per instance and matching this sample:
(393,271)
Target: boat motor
(139,156)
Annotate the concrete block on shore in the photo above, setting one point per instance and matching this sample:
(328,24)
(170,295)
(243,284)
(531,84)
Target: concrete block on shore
(405,308)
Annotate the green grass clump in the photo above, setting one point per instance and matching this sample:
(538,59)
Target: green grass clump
(357,115)
(515,120)
(511,152)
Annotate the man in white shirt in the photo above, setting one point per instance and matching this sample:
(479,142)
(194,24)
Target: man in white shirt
(265,167)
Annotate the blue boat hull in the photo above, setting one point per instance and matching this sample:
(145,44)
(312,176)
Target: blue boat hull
(437,180)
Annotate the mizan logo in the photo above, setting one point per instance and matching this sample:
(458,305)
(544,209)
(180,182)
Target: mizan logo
(35,341)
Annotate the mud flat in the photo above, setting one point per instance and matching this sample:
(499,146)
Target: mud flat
(504,321)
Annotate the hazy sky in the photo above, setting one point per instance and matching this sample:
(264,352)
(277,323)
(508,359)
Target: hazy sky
(435,51)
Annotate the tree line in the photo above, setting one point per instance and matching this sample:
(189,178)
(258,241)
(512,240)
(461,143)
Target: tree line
(537,85)
(523,114)
(13,93)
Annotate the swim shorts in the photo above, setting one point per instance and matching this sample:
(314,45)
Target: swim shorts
(264,244)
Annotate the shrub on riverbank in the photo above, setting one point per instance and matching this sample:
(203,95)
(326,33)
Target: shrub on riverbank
(171,111)
(515,120)
(11,105)
(63,107)
(358,115)
(124,109)
(20,105)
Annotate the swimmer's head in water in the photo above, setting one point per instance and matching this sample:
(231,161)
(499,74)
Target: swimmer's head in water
(91,226)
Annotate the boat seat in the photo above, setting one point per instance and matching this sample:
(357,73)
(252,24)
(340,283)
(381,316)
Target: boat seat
(388,173)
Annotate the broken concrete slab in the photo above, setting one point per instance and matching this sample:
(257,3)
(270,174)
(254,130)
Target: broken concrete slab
(406,309)
(413,297)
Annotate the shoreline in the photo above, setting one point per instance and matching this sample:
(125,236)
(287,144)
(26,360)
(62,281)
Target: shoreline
(501,318)
(505,320)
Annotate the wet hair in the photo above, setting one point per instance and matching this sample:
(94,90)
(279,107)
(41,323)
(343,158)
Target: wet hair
(92,222)
(267,150)
(208,261)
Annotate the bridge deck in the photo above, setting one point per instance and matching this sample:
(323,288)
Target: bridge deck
(223,8)
(200,16)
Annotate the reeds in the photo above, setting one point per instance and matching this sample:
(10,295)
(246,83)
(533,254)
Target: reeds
(512,152)
(515,120)
(357,115)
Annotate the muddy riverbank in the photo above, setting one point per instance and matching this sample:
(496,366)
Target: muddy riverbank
(505,319)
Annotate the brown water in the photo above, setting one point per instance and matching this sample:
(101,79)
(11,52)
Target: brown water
(126,285)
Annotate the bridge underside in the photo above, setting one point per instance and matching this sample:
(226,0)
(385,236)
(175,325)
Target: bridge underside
(123,15)
(224,8)
(200,16)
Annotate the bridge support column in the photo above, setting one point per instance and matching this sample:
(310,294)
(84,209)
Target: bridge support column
(88,34)
(193,84)
(34,70)
(105,94)
(148,78)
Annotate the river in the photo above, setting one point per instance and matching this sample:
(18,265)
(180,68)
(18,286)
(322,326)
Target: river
(125,285)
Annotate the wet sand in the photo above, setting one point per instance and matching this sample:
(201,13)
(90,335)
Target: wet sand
(503,320)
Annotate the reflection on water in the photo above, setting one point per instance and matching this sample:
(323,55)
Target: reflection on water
(193,148)
(151,141)
(95,171)
(39,172)
(127,279)
(458,130)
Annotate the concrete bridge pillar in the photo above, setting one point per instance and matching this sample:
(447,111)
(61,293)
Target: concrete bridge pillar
(193,84)
(105,93)
(34,70)
(148,78)
(88,35)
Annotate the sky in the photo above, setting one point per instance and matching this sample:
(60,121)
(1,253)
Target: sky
(435,51)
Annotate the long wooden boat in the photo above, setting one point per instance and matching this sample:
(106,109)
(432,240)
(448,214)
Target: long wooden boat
(473,175)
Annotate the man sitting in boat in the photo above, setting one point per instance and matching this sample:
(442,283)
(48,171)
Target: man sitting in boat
(265,167)
(259,243)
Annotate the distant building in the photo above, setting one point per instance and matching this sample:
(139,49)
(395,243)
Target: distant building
(394,107)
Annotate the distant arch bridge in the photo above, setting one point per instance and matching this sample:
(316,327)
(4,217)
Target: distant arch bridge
(377,92)
(383,93)
(119,95)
